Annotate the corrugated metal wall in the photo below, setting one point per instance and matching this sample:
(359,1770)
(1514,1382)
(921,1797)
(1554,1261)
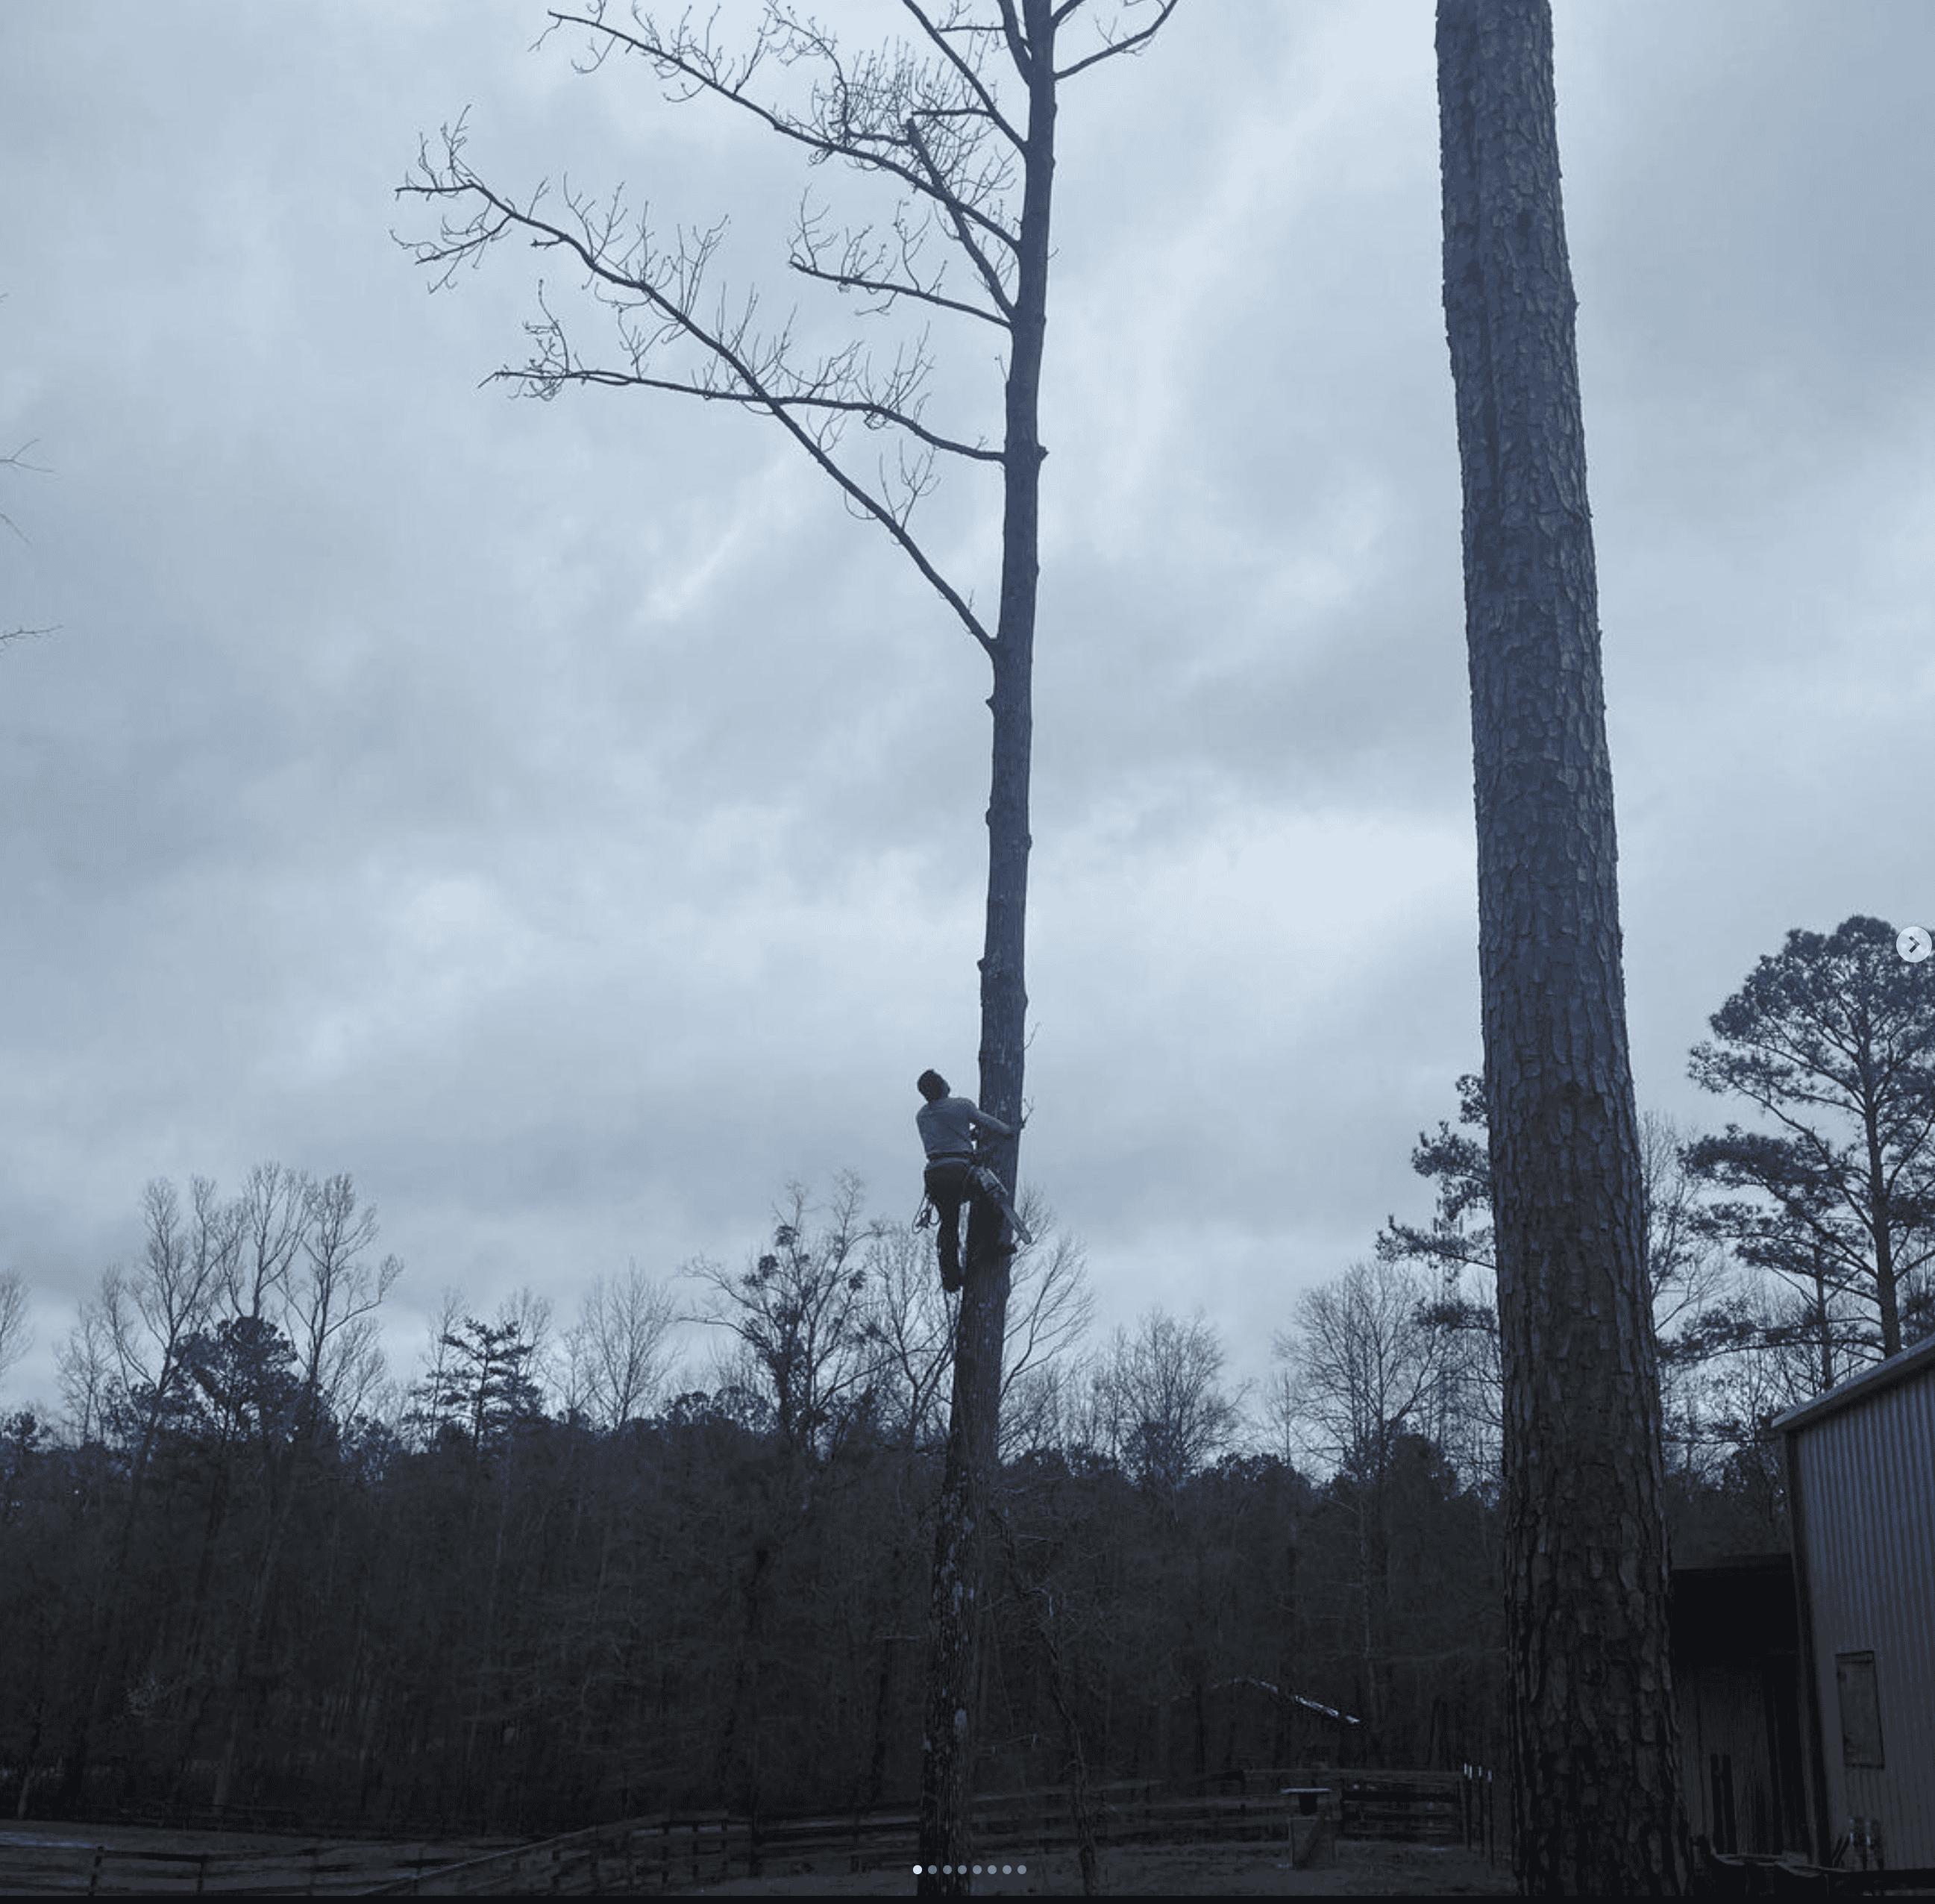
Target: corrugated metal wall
(1865,1477)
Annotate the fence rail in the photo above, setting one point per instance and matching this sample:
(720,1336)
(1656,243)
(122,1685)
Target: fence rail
(647,1854)
(55,1868)
(642,1854)
(1420,1808)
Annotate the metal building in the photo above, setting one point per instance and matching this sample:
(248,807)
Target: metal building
(1861,1477)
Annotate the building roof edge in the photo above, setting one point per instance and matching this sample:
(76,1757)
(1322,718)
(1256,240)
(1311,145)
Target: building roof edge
(1902,1367)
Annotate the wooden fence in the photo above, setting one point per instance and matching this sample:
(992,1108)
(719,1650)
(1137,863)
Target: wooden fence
(644,1854)
(1419,1807)
(648,1855)
(32,1867)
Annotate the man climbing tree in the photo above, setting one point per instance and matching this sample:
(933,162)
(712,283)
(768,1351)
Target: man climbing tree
(1595,1791)
(948,1127)
(960,127)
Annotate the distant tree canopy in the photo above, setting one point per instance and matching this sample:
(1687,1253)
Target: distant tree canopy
(475,1604)
(1780,1259)
(480,1387)
(1832,1039)
(1700,1310)
(471,1602)
(16,1334)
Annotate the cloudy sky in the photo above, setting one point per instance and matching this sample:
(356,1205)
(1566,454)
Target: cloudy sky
(565,818)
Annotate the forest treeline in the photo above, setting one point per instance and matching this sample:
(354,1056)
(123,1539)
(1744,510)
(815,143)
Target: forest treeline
(548,1583)
(553,1577)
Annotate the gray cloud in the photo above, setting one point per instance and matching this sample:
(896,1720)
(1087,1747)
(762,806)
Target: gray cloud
(565,818)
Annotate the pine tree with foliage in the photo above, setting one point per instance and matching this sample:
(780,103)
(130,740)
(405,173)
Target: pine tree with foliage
(1832,1040)
(481,1387)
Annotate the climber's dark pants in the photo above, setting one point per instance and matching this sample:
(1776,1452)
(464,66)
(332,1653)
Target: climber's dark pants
(948,1186)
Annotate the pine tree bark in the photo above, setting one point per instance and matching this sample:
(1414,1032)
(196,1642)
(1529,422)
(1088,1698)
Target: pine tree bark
(1595,1800)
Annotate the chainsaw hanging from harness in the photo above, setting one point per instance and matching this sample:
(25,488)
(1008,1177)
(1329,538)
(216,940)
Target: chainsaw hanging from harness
(982,1179)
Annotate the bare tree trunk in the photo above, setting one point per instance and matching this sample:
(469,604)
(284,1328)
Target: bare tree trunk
(1823,1323)
(1042,1612)
(960,1556)
(1594,1785)
(1879,1184)
(942,133)
(960,1569)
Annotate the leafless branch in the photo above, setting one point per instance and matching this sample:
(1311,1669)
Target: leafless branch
(656,296)
(17,460)
(1112,47)
(867,265)
(1019,51)
(990,273)
(857,114)
(925,116)
(938,31)
(1053,1302)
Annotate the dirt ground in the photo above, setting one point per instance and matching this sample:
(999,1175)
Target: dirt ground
(1246,1869)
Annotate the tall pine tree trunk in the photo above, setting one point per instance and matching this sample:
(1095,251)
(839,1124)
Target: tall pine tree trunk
(1595,1791)
(957,1609)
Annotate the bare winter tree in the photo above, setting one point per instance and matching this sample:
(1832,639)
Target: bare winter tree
(432,1392)
(1049,1305)
(1595,1776)
(616,1350)
(127,1362)
(1159,1408)
(151,1314)
(276,1204)
(1367,1371)
(958,125)
(801,1310)
(335,1295)
(1052,1304)
(912,1333)
(16,1337)
(309,1245)
(1367,1366)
